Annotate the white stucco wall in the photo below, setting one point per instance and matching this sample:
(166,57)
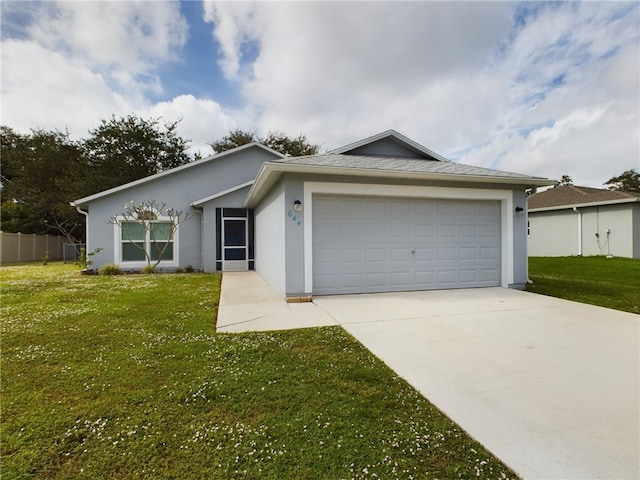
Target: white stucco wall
(566,232)
(270,239)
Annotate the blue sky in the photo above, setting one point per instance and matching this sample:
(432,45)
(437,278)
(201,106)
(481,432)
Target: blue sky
(544,88)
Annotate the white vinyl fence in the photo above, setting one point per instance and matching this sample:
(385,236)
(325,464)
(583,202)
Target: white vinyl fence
(27,247)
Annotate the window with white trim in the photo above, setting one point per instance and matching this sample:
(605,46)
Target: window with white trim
(153,237)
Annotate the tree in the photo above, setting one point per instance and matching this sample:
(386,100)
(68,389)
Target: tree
(41,172)
(627,181)
(125,149)
(278,141)
(149,228)
(235,138)
(565,180)
(291,147)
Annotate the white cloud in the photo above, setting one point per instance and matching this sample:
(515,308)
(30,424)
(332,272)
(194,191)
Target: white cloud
(129,36)
(50,91)
(541,88)
(200,121)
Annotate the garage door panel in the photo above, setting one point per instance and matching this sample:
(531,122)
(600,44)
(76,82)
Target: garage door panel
(422,231)
(377,279)
(446,278)
(468,254)
(468,277)
(446,254)
(446,231)
(489,253)
(376,244)
(488,231)
(488,277)
(376,255)
(468,231)
(402,279)
(424,254)
(351,255)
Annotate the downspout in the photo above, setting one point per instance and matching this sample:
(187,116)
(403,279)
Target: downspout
(86,222)
(575,209)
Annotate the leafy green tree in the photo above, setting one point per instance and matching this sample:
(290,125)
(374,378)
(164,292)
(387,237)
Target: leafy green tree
(41,172)
(627,181)
(292,147)
(565,180)
(125,149)
(235,138)
(278,141)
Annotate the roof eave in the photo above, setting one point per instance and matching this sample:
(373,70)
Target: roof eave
(271,172)
(584,205)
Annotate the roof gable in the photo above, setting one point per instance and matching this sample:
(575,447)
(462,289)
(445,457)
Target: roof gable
(105,193)
(568,196)
(389,144)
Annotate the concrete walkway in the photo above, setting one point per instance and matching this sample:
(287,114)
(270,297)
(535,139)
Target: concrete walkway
(249,304)
(551,387)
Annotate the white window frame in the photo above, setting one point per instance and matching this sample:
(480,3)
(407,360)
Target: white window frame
(138,264)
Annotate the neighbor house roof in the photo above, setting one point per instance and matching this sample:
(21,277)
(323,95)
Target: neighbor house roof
(569,196)
(387,167)
(82,202)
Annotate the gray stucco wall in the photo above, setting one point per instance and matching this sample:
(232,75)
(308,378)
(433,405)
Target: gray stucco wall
(178,190)
(520,263)
(558,232)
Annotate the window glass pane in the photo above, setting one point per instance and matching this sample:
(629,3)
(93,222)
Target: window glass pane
(156,249)
(160,230)
(132,252)
(132,231)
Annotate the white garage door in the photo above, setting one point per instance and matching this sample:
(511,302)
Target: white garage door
(381,244)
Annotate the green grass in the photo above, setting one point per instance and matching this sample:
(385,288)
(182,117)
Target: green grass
(607,282)
(124,377)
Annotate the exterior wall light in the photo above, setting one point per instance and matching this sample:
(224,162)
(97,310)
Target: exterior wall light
(297,205)
(519,211)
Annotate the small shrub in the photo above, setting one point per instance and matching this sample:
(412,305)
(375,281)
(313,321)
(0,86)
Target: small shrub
(189,269)
(84,262)
(45,259)
(109,269)
(148,269)
(179,270)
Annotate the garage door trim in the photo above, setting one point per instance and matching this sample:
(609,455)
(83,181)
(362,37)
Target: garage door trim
(403,191)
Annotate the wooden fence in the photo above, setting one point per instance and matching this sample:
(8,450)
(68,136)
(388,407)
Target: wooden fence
(27,247)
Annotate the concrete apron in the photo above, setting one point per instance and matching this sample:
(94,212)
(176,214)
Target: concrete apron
(551,387)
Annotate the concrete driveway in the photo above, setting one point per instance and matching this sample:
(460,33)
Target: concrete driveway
(551,387)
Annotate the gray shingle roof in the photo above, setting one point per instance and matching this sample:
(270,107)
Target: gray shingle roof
(398,164)
(569,195)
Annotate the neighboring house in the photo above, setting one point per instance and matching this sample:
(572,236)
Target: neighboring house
(381,214)
(572,220)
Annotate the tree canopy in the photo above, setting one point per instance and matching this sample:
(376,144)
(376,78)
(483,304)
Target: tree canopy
(565,180)
(627,181)
(125,149)
(43,171)
(278,141)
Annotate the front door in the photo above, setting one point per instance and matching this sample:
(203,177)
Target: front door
(234,245)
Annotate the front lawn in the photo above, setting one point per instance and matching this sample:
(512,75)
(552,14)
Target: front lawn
(125,377)
(607,282)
